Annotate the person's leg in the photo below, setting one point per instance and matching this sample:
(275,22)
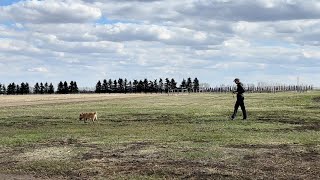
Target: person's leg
(243,108)
(236,106)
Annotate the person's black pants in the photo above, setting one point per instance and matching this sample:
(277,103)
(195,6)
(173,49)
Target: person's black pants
(240,102)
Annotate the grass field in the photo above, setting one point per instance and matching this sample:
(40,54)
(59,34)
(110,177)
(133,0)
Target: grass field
(160,136)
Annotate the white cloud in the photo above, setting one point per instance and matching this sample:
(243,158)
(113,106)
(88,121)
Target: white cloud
(311,53)
(236,43)
(38,69)
(211,39)
(50,11)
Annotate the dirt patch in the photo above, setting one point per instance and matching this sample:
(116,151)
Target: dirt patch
(259,146)
(261,162)
(282,119)
(135,159)
(20,177)
(280,161)
(301,124)
(148,159)
(299,128)
(135,149)
(173,169)
(49,153)
(316,99)
(308,127)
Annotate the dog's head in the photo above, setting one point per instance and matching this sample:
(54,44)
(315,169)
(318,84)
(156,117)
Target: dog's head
(81,116)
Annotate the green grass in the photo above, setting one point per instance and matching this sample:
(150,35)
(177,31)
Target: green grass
(160,136)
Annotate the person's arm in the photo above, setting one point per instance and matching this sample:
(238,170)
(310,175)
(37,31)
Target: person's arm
(239,90)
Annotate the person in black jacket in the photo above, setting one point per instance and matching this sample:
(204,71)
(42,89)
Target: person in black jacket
(240,100)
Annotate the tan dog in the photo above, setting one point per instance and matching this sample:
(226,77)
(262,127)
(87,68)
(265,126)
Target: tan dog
(91,116)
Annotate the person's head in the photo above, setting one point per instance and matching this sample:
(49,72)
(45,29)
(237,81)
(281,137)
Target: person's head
(236,80)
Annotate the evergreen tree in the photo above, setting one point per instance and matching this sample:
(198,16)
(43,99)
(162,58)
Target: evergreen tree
(167,85)
(135,85)
(9,89)
(173,84)
(104,87)
(189,84)
(51,88)
(46,88)
(140,86)
(109,85)
(98,87)
(42,90)
(65,88)
(151,86)
(120,83)
(27,88)
(71,86)
(196,85)
(161,85)
(14,88)
(125,84)
(60,88)
(36,89)
(145,86)
(130,86)
(23,88)
(155,88)
(183,84)
(115,86)
(18,89)
(75,87)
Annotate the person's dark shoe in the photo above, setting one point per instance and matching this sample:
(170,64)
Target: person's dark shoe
(231,118)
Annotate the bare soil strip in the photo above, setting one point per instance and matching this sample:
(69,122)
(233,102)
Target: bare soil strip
(29,100)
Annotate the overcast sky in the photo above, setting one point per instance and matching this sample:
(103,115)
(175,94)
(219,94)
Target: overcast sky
(214,40)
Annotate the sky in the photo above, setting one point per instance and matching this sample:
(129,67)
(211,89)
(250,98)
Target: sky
(272,41)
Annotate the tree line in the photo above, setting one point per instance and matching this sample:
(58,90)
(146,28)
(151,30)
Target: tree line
(106,86)
(250,88)
(145,86)
(140,86)
(39,88)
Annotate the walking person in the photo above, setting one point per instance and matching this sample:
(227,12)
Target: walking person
(240,100)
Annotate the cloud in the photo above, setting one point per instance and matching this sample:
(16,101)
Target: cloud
(225,10)
(122,32)
(39,69)
(214,40)
(50,11)
(259,10)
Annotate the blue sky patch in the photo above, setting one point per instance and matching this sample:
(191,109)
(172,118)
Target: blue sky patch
(8,2)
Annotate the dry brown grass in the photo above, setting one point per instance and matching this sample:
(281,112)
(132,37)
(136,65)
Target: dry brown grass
(26,100)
